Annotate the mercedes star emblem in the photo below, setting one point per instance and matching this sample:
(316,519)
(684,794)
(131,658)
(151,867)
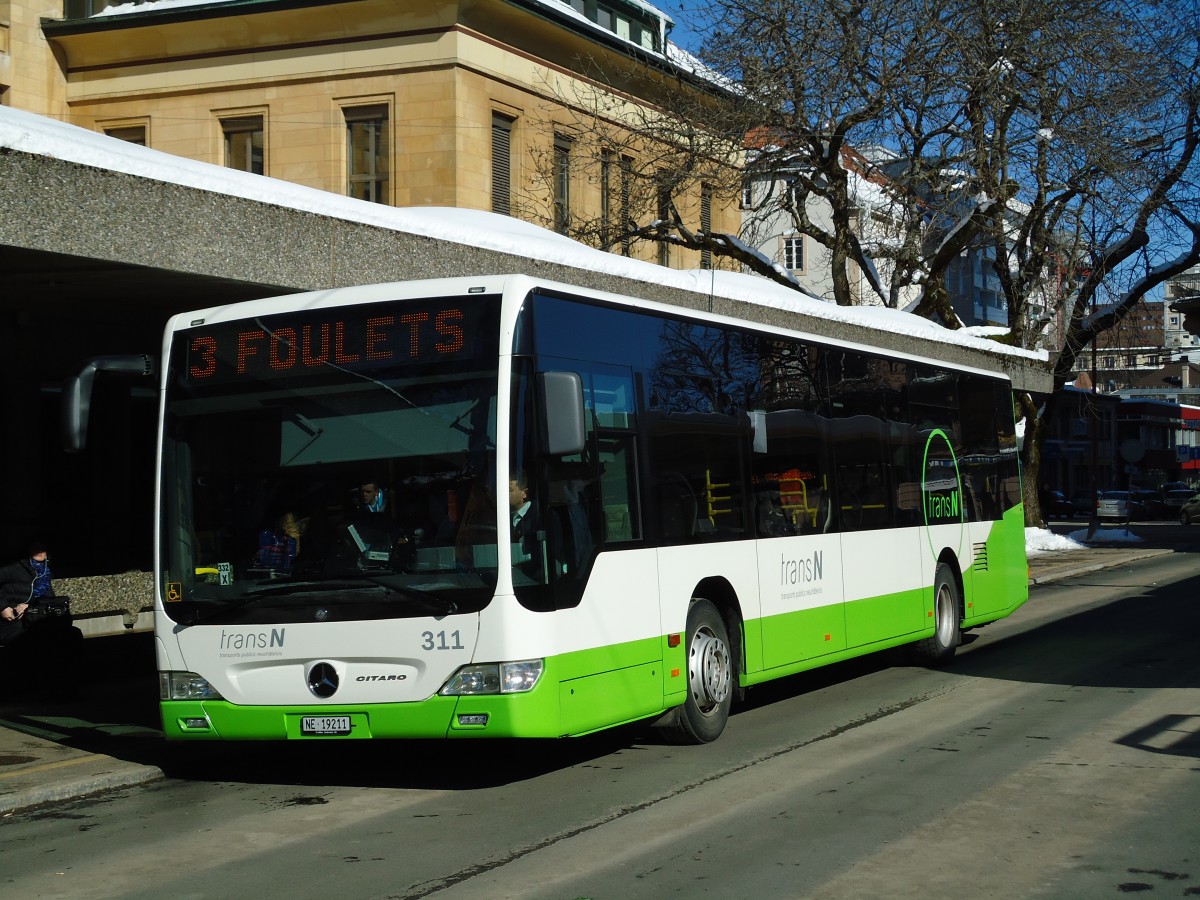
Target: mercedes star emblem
(323,679)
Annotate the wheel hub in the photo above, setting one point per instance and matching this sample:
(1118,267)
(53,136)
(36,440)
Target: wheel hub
(709,670)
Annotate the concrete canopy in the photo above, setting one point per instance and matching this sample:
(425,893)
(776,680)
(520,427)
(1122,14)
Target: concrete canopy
(77,237)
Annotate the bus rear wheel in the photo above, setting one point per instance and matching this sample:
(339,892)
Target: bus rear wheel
(710,673)
(940,648)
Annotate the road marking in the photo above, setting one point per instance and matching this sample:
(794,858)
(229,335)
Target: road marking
(46,767)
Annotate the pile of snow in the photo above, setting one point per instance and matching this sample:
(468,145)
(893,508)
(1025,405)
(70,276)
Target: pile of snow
(1040,541)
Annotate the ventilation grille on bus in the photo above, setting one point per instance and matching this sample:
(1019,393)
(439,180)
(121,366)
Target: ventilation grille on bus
(981,560)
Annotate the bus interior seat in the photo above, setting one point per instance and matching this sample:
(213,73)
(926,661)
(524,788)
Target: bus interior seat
(677,506)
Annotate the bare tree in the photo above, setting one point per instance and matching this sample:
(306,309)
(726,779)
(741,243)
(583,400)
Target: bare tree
(1057,138)
(646,153)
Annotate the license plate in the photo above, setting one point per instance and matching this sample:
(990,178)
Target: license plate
(328,725)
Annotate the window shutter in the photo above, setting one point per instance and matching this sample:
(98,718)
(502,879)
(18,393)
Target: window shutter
(501,164)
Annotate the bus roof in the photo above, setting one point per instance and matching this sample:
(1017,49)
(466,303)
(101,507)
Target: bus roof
(867,327)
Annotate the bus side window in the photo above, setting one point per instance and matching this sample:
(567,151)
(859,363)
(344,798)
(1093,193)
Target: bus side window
(790,459)
(677,507)
(618,487)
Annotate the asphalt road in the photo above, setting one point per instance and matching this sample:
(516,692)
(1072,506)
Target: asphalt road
(1057,757)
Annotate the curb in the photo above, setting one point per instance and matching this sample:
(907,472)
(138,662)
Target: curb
(105,774)
(1126,556)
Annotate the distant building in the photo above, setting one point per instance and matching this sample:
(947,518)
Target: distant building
(770,228)
(1133,351)
(1176,336)
(1173,382)
(875,176)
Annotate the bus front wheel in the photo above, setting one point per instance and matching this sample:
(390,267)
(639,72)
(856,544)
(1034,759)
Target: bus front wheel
(940,648)
(710,673)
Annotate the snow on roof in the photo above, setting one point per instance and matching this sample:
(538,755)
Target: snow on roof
(124,9)
(132,6)
(673,53)
(37,135)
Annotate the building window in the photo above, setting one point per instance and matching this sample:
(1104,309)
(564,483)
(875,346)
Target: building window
(133,134)
(626,217)
(793,253)
(562,183)
(367,153)
(663,211)
(706,194)
(607,169)
(747,194)
(638,27)
(502,164)
(244,143)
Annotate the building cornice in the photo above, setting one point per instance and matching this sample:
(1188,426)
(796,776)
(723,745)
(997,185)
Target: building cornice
(79,34)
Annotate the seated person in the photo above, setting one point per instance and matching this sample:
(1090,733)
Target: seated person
(372,497)
(45,647)
(371,537)
(528,534)
(278,547)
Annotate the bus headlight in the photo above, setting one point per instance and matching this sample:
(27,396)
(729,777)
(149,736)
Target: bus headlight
(494,678)
(185,686)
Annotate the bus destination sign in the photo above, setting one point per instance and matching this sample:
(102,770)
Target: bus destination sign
(354,338)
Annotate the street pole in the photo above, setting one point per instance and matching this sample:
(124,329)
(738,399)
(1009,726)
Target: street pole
(1094,428)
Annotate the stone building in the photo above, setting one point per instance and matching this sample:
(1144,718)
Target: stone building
(476,104)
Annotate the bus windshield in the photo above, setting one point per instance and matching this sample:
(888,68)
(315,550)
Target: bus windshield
(331,465)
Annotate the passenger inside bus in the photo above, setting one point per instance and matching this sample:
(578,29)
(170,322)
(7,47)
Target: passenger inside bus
(279,545)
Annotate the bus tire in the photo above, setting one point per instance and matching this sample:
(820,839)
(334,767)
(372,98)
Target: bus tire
(710,674)
(947,629)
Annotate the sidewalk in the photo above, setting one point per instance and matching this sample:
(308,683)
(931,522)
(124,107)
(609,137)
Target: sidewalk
(1054,566)
(110,737)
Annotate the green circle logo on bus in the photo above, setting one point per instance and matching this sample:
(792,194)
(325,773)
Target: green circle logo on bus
(941,490)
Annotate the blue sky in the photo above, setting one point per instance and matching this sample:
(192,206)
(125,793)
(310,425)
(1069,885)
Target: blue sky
(684,13)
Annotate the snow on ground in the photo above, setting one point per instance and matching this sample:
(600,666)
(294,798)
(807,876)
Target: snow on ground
(1041,541)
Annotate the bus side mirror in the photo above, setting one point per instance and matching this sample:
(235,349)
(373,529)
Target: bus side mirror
(77,393)
(562,394)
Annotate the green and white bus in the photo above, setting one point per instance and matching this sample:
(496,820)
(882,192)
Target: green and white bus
(710,504)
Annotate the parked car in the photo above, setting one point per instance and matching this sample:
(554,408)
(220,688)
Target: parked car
(1083,503)
(1147,505)
(1190,511)
(1177,486)
(1056,506)
(1115,505)
(1175,499)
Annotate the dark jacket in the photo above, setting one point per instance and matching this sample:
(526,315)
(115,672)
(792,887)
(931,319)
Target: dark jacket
(16,583)
(16,587)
